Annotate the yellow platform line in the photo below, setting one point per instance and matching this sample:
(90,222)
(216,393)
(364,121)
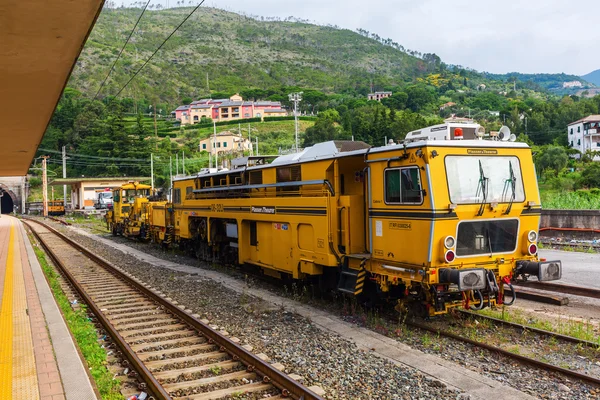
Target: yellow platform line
(6,325)
(25,383)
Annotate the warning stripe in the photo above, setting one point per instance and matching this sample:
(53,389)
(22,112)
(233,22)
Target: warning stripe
(360,281)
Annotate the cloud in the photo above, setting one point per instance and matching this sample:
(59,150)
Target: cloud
(513,35)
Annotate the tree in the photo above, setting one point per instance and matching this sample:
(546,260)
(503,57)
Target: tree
(419,96)
(552,158)
(590,177)
(324,129)
(396,101)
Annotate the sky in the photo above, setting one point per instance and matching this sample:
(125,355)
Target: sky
(528,36)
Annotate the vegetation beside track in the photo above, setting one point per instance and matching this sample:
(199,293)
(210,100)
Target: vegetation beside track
(84,333)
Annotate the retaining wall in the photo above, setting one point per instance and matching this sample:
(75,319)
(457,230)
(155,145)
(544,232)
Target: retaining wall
(589,219)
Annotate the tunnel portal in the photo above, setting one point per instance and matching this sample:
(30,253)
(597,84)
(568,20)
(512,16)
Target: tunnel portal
(7,203)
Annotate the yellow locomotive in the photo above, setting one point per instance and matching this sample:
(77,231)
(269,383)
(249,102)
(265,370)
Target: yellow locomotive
(129,213)
(443,220)
(56,208)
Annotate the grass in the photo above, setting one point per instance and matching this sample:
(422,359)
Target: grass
(578,200)
(84,333)
(583,330)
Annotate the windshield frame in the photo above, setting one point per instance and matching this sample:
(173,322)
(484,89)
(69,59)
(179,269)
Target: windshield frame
(487,253)
(489,200)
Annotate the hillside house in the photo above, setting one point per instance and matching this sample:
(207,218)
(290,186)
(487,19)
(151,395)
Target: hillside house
(379,95)
(225,142)
(446,105)
(231,109)
(584,134)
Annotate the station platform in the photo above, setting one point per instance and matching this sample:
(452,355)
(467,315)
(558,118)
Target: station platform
(38,358)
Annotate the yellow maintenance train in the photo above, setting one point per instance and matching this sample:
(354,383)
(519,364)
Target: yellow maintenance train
(443,220)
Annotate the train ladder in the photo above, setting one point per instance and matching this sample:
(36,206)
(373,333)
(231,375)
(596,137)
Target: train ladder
(352,280)
(169,235)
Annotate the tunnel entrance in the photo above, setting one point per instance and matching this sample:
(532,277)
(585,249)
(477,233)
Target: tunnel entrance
(7,203)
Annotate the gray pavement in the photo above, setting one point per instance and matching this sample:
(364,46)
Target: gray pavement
(581,269)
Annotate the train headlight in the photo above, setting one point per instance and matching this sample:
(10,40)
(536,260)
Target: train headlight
(532,236)
(449,242)
(449,256)
(550,271)
(465,279)
(544,270)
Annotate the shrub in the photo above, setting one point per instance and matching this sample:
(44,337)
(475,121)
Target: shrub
(35,182)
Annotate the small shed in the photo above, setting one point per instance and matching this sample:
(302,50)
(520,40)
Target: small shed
(84,190)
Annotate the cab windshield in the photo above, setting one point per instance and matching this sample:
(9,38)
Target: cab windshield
(130,194)
(484,179)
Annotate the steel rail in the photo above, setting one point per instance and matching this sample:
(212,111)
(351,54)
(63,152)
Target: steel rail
(566,338)
(288,386)
(523,359)
(153,385)
(584,246)
(560,288)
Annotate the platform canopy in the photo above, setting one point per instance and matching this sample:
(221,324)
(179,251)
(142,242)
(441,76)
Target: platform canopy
(40,41)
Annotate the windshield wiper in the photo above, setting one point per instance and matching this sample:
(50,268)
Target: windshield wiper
(511,183)
(482,187)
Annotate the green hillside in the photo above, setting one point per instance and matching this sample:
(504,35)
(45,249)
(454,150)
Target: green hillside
(540,82)
(237,53)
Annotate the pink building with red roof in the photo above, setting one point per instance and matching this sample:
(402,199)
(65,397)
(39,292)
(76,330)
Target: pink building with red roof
(233,108)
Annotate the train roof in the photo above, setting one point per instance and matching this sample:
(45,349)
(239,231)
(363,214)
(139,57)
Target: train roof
(340,148)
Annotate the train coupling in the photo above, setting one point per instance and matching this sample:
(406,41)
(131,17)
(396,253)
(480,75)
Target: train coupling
(544,270)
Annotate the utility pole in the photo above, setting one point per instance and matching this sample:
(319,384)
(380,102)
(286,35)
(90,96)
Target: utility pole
(183,162)
(176,163)
(215,144)
(152,171)
(296,98)
(250,140)
(64,162)
(45,186)
(207,86)
(155,129)
(257,153)
(171,176)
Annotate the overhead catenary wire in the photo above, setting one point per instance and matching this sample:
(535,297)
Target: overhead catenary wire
(159,47)
(122,49)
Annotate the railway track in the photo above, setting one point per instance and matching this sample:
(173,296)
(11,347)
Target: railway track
(561,288)
(512,355)
(582,247)
(174,353)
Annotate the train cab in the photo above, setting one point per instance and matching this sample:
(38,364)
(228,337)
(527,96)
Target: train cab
(452,221)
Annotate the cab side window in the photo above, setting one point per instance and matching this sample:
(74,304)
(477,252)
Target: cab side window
(177,196)
(403,186)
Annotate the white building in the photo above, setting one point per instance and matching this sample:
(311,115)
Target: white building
(572,84)
(584,134)
(225,142)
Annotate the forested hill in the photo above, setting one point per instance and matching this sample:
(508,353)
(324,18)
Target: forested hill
(239,52)
(593,77)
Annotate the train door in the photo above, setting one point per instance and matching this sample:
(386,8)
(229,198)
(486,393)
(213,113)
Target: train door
(261,237)
(281,245)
